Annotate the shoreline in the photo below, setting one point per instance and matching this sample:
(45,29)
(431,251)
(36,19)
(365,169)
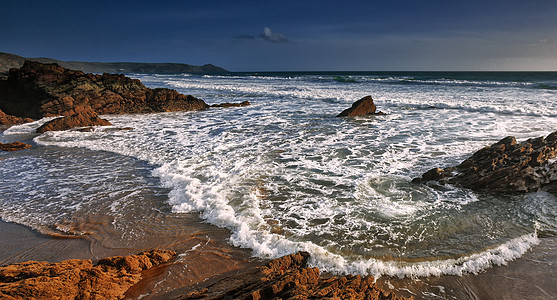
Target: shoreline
(199,265)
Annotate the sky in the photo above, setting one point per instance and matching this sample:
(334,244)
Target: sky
(394,35)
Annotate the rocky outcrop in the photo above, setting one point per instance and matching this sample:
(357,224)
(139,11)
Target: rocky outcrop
(11,120)
(84,119)
(362,107)
(44,90)
(288,277)
(15,146)
(77,279)
(506,166)
(226,104)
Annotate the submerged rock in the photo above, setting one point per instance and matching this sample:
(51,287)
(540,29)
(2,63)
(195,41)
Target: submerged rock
(506,166)
(15,146)
(110,278)
(288,277)
(40,90)
(83,119)
(362,107)
(244,103)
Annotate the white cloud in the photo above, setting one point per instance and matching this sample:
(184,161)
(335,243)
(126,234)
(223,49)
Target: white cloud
(273,37)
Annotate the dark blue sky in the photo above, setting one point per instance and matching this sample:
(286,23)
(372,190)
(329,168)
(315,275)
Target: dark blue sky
(289,35)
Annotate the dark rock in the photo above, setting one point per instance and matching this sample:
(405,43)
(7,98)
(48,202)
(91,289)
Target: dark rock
(244,103)
(78,278)
(15,146)
(84,119)
(506,166)
(287,277)
(45,90)
(362,107)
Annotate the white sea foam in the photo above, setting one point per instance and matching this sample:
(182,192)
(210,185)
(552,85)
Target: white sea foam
(283,175)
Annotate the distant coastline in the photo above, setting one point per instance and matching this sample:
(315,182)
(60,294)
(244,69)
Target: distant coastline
(8,61)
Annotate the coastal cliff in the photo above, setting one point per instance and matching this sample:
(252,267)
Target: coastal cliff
(8,61)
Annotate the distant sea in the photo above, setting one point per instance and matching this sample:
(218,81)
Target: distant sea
(285,174)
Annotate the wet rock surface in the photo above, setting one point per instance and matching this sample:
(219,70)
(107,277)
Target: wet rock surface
(226,104)
(6,119)
(287,277)
(362,107)
(84,119)
(44,90)
(506,166)
(76,278)
(15,146)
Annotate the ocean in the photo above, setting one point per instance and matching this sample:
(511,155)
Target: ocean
(284,174)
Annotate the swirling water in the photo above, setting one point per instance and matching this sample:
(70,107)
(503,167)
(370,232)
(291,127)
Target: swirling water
(284,174)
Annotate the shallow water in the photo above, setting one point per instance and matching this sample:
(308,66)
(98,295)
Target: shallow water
(284,175)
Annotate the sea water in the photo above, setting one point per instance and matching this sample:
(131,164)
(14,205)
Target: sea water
(284,174)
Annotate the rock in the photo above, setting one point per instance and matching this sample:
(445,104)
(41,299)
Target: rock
(287,277)
(12,120)
(506,166)
(14,146)
(83,119)
(45,90)
(362,107)
(78,279)
(244,103)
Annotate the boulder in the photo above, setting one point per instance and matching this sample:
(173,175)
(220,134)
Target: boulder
(506,166)
(45,90)
(83,119)
(226,104)
(110,278)
(362,107)
(14,146)
(287,277)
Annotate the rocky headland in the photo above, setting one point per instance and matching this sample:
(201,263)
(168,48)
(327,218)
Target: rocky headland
(8,61)
(504,167)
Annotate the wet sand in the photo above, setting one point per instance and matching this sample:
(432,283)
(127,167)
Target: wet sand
(533,276)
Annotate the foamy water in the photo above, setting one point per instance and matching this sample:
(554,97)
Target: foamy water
(285,175)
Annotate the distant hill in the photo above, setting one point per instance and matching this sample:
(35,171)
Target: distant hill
(8,61)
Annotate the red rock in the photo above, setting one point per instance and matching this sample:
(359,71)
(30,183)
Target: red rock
(14,146)
(362,107)
(12,120)
(83,119)
(287,277)
(77,279)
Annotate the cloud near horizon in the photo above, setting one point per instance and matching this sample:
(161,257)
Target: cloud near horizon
(273,37)
(267,35)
